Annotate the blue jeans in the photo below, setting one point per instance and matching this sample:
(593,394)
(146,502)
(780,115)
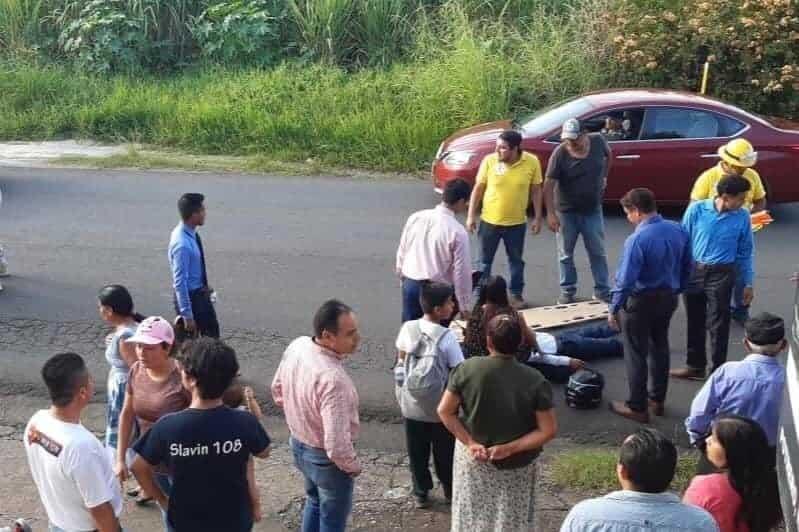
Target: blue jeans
(411,306)
(590,343)
(165,483)
(592,227)
(513,237)
(328,490)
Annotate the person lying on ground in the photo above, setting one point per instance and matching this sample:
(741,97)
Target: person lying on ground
(555,356)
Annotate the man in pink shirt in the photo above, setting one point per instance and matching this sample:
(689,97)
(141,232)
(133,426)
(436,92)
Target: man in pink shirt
(321,407)
(435,247)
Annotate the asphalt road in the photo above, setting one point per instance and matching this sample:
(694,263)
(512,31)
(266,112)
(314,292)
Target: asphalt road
(276,248)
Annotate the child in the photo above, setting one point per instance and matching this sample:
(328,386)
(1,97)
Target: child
(243,398)
(427,351)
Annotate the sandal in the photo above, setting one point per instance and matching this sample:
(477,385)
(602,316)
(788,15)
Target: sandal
(143,501)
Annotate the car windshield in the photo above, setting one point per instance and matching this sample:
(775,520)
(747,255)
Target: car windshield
(549,118)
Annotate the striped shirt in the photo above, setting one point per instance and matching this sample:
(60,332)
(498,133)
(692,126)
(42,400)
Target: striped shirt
(319,400)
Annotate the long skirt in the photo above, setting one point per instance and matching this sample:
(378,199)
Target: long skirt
(487,499)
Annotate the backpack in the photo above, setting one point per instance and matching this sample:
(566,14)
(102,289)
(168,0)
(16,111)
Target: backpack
(426,374)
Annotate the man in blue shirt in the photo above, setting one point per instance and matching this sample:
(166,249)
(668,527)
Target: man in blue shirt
(721,241)
(751,388)
(647,462)
(193,297)
(654,267)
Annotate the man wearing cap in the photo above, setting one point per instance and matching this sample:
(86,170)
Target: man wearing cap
(751,388)
(721,243)
(579,167)
(737,158)
(507,182)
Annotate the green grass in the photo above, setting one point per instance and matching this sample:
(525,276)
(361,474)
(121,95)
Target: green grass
(595,470)
(389,119)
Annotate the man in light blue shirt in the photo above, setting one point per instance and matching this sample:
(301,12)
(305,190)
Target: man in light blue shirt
(750,388)
(647,462)
(193,297)
(720,231)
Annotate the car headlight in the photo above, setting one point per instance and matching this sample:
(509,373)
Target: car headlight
(458,158)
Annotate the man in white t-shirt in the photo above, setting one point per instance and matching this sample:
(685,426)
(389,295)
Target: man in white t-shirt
(423,428)
(68,463)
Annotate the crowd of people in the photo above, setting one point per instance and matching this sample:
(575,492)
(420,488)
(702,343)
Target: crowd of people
(180,421)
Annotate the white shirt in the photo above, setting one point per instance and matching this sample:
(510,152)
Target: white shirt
(71,470)
(547,351)
(448,345)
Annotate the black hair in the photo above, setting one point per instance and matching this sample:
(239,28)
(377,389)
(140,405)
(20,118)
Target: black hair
(189,203)
(641,199)
(212,363)
(434,295)
(494,291)
(650,460)
(326,318)
(456,190)
(118,299)
(512,137)
(733,185)
(765,329)
(64,374)
(505,333)
(750,468)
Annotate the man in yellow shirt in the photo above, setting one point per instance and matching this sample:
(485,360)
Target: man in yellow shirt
(507,182)
(737,158)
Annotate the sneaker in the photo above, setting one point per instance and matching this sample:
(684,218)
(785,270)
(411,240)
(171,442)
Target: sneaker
(691,374)
(565,299)
(422,501)
(518,302)
(605,298)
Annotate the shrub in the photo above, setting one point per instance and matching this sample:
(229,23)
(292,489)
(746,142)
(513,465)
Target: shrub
(19,23)
(242,32)
(753,48)
(324,28)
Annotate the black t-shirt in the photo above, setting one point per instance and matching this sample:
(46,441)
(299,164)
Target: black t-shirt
(580,182)
(206,453)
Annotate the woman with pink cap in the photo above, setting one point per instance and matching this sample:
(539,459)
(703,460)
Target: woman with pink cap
(154,388)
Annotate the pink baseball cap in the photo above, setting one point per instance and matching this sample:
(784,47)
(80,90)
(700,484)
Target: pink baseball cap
(152,331)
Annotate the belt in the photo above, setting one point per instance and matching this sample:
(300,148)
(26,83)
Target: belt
(715,267)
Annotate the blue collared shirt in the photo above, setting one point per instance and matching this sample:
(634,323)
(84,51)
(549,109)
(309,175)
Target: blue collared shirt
(186,264)
(657,255)
(721,237)
(751,388)
(633,511)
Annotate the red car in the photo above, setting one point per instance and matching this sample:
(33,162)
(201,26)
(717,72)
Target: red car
(660,139)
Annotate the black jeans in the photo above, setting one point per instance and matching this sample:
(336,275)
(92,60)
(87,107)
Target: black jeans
(204,312)
(421,436)
(645,321)
(707,308)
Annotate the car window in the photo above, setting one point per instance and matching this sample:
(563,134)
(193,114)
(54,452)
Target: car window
(616,125)
(552,117)
(680,123)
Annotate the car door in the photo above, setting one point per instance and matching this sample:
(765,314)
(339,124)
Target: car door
(676,145)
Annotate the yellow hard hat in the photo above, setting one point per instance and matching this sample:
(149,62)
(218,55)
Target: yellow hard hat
(738,152)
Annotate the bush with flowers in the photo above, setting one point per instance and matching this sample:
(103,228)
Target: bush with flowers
(752,47)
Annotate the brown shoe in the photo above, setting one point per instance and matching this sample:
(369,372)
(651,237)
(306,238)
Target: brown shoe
(656,408)
(621,408)
(692,374)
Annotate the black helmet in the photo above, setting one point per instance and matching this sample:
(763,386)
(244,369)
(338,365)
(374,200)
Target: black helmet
(584,389)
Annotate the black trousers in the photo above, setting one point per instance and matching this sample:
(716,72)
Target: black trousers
(204,312)
(421,437)
(645,321)
(707,307)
